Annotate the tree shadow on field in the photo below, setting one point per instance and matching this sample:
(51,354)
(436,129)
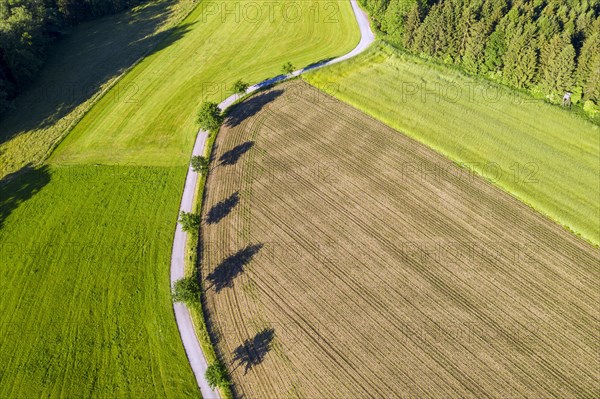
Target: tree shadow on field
(232,156)
(223,208)
(249,108)
(231,267)
(317,64)
(253,351)
(82,61)
(18,187)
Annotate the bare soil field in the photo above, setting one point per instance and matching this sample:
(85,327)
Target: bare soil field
(342,259)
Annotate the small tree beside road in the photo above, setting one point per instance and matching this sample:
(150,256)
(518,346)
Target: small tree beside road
(190,222)
(210,116)
(200,164)
(216,375)
(186,290)
(287,68)
(240,87)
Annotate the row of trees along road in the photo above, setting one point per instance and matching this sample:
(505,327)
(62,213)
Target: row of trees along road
(546,46)
(27,27)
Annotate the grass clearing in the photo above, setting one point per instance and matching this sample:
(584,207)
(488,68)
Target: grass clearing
(332,270)
(546,157)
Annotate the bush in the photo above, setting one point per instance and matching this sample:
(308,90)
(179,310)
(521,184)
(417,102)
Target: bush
(200,164)
(210,116)
(287,68)
(186,290)
(190,222)
(591,108)
(216,375)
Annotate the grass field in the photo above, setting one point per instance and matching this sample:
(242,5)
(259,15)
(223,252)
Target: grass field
(545,156)
(212,50)
(97,320)
(333,268)
(85,307)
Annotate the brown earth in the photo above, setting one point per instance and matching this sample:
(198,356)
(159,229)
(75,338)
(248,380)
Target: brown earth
(343,260)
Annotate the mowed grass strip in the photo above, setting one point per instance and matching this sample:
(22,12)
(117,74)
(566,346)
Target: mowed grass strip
(83,64)
(86,308)
(333,271)
(545,156)
(219,43)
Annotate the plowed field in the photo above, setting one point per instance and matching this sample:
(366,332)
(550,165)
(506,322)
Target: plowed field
(343,259)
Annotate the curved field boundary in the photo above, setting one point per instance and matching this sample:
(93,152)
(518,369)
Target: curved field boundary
(182,315)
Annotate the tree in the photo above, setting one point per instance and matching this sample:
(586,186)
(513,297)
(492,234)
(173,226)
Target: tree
(186,290)
(413,21)
(474,48)
(190,222)
(394,19)
(216,375)
(210,116)
(200,164)
(494,50)
(588,67)
(240,87)
(557,64)
(287,68)
(591,88)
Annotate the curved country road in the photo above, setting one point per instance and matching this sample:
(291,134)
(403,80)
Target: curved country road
(182,315)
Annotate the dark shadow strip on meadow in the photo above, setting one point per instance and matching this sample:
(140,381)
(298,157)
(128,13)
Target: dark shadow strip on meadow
(19,187)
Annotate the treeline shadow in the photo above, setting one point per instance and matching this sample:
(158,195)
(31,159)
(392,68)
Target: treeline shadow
(18,187)
(222,208)
(253,351)
(247,109)
(81,62)
(231,267)
(232,156)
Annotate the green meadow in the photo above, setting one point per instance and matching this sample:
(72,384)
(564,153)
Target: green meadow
(86,236)
(543,155)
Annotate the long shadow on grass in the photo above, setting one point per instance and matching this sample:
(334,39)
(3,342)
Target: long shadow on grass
(317,64)
(232,156)
(82,62)
(231,267)
(250,107)
(223,208)
(253,351)
(20,186)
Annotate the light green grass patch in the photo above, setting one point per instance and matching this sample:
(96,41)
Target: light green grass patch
(545,156)
(219,43)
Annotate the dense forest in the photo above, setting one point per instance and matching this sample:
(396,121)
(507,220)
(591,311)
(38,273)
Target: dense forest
(545,46)
(27,27)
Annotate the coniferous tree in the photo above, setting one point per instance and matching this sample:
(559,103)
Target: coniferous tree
(473,56)
(413,21)
(587,68)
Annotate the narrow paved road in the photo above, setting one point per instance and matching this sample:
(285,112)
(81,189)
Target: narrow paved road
(182,314)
